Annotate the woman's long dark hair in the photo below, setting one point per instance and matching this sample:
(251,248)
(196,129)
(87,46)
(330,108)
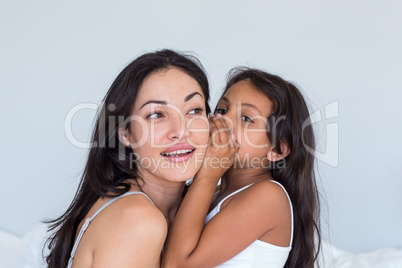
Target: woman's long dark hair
(289,123)
(109,165)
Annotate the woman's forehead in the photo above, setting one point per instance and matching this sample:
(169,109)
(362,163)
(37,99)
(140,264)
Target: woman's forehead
(171,85)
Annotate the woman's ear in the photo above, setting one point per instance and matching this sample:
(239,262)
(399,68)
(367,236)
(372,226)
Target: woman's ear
(123,137)
(274,156)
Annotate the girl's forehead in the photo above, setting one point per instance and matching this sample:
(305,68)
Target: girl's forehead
(246,90)
(246,94)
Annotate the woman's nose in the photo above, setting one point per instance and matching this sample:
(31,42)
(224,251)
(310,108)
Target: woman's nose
(176,127)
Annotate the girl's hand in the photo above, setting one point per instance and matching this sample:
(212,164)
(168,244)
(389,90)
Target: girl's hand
(220,154)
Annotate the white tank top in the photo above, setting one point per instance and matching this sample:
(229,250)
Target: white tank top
(88,221)
(258,254)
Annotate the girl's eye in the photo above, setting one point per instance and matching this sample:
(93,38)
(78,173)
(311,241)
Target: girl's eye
(155,115)
(196,111)
(247,119)
(220,111)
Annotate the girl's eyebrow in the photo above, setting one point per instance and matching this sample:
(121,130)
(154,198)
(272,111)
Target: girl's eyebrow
(252,106)
(225,100)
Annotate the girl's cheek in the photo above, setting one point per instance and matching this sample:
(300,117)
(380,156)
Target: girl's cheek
(255,140)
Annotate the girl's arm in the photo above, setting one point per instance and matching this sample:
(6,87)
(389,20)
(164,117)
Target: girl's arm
(242,221)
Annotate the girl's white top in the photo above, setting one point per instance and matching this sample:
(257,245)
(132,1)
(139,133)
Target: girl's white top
(259,253)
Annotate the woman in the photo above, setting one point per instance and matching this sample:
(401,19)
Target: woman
(149,138)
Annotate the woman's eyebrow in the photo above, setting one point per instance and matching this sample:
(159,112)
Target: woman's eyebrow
(154,101)
(192,95)
(187,98)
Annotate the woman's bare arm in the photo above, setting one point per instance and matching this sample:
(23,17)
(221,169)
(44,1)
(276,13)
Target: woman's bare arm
(133,236)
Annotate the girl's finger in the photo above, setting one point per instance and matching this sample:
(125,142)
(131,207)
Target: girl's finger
(214,133)
(236,144)
(226,135)
(223,135)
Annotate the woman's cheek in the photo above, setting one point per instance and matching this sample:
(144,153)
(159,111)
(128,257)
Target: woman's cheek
(198,131)
(139,137)
(158,134)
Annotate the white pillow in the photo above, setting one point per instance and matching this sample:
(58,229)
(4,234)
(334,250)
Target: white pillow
(11,250)
(33,247)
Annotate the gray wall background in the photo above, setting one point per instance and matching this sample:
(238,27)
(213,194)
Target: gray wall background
(345,55)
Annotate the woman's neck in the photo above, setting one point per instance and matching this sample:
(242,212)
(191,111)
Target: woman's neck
(166,195)
(235,179)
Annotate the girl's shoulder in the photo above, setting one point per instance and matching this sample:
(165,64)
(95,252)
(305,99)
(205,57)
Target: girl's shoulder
(269,191)
(262,195)
(269,187)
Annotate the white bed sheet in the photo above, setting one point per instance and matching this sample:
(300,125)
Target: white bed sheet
(26,252)
(332,257)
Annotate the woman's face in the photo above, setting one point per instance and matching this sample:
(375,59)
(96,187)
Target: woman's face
(169,130)
(248,109)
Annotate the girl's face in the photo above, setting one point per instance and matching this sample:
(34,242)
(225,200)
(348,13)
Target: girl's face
(169,129)
(248,109)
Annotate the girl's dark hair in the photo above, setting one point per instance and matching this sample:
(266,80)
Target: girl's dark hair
(109,164)
(289,123)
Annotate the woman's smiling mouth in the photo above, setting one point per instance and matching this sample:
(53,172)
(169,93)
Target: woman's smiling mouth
(179,153)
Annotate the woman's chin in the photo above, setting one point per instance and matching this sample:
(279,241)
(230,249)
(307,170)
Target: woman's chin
(181,175)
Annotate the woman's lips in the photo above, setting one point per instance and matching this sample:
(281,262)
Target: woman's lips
(179,153)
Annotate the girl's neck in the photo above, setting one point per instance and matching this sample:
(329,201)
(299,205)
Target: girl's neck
(235,179)
(166,195)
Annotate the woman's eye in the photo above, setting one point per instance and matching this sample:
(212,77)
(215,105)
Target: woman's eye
(155,115)
(220,111)
(247,119)
(196,111)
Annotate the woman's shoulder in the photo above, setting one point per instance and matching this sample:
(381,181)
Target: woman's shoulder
(138,210)
(131,215)
(129,220)
(130,229)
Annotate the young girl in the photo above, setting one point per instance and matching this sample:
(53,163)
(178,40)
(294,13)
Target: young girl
(265,212)
(143,150)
